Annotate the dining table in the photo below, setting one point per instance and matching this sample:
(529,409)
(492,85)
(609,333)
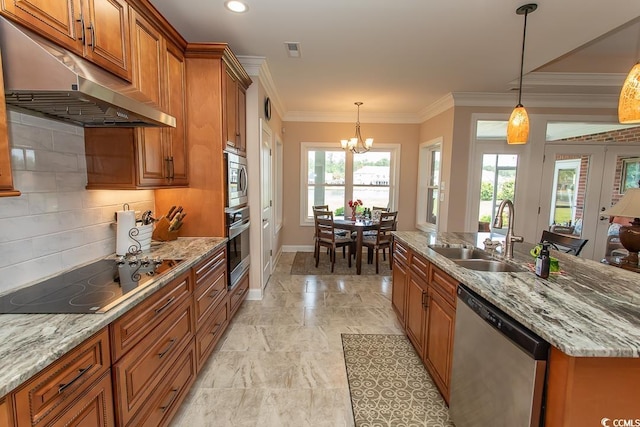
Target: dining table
(359,226)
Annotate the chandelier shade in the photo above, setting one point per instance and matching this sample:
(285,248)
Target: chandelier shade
(518,126)
(357,144)
(629,102)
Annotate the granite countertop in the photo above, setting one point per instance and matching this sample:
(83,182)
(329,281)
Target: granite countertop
(30,342)
(588,309)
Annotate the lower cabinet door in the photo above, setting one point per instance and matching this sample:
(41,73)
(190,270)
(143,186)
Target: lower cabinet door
(239,293)
(438,353)
(165,400)
(144,368)
(415,314)
(93,409)
(399,290)
(210,332)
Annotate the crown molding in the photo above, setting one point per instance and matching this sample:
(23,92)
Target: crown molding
(556,100)
(350,117)
(614,80)
(256,66)
(440,106)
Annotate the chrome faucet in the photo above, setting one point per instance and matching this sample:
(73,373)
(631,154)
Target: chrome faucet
(510,239)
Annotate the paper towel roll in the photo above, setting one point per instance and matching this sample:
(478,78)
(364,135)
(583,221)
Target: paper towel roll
(126,220)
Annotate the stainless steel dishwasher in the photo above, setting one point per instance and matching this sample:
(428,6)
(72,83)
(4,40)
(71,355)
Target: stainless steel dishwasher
(499,366)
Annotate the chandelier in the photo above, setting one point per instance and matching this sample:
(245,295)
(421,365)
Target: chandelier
(356,144)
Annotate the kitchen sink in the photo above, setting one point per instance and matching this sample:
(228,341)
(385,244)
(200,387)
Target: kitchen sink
(491,265)
(454,253)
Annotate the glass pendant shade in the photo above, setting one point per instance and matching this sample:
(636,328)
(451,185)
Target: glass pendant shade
(518,126)
(629,102)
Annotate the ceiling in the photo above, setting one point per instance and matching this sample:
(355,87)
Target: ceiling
(400,57)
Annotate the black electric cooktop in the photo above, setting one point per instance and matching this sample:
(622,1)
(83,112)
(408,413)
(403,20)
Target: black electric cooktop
(94,288)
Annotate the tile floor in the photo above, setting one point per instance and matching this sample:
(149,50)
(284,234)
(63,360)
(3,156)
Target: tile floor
(280,363)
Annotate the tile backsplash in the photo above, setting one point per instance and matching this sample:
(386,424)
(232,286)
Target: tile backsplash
(56,224)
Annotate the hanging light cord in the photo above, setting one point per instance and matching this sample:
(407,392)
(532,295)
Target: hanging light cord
(524,38)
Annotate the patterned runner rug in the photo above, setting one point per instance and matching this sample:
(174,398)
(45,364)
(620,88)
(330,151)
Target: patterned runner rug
(389,385)
(304,263)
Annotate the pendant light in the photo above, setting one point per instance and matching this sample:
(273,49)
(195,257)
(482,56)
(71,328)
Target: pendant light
(356,144)
(629,102)
(518,126)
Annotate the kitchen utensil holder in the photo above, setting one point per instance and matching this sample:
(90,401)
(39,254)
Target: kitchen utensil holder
(144,236)
(162,233)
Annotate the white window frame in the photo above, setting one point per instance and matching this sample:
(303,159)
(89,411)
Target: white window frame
(424,177)
(394,175)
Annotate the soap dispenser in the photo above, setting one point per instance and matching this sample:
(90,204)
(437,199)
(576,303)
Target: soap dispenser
(543,262)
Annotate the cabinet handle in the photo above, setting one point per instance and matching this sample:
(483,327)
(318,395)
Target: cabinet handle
(81,372)
(166,304)
(425,300)
(172,341)
(167,162)
(92,29)
(82,35)
(174,394)
(212,295)
(216,328)
(172,168)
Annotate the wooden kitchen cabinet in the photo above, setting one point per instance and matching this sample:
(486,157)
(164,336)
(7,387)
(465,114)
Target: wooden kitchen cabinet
(95,29)
(207,66)
(438,343)
(6,174)
(416,312)
(75,389)
(429,317)
(238,294)
(210,285)
(144,368)
(6,416)
(400,280)
(132,158)
(235,112)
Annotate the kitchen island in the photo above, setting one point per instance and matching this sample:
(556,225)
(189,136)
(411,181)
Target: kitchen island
(30,342)
(588,312)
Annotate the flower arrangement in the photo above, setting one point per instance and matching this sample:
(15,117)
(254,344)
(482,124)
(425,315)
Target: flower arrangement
(353,204)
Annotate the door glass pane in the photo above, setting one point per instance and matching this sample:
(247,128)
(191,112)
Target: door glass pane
(498,183)
(569,190)
(432,205)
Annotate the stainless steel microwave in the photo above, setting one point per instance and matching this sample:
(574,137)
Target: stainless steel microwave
(236,176)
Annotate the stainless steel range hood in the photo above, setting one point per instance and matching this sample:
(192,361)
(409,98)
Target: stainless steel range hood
(44,79)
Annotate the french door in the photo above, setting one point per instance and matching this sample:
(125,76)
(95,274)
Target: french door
(578,182)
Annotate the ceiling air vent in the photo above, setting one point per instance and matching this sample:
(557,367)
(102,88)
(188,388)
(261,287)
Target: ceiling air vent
(293,49)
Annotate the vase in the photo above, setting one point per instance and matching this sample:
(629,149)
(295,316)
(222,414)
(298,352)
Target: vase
(353,215)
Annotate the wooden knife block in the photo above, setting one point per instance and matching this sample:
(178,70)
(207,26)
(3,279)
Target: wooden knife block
(161,232)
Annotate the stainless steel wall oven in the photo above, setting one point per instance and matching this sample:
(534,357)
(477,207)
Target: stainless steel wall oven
(238,224)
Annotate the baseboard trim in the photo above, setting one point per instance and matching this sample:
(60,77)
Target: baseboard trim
(297,248)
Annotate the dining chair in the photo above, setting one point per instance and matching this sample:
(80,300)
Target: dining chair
(383,237)
(327,237)
(340,232)
(563,242)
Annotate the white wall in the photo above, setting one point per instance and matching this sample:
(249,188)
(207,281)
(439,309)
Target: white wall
(56,224)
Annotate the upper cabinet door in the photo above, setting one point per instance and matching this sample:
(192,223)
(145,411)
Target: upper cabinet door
(58,20)
(231,109)
(107,35)
(147,47)
(176,140)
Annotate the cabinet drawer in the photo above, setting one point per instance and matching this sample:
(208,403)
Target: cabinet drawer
(46,395)
(443,283)
(238,294)
(137,323)
(212,329)
(140,371)
(167,396)
(209,292)
(95,408)
(400,253)
(206,271)
(420,266)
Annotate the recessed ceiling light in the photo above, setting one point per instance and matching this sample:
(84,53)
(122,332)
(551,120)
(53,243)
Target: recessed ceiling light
(236,6)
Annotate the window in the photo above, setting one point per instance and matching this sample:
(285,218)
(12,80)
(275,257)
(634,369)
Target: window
(428,196)
(334,176)
(498,182)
